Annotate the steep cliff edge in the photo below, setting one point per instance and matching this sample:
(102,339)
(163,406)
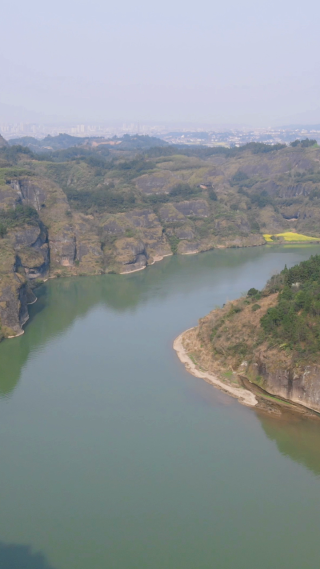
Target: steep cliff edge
(268,341)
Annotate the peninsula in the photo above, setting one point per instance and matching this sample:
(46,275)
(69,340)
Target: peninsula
(264,348)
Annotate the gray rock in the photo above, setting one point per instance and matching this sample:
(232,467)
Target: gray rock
(29,193)
(184,233)
(13,308)
(113,228)
(140,263)
(26,236)
(143,218)
(198,208)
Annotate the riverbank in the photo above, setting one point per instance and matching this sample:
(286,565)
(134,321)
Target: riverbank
(222,350)
(242,389)
(243,395)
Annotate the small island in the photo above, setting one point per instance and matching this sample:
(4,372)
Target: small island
(264,348)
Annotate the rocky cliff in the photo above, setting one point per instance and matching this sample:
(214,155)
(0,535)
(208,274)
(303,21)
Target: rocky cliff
(267,342)
(84,211)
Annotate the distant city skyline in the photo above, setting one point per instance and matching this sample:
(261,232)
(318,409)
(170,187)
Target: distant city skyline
(179,135)
(12,115)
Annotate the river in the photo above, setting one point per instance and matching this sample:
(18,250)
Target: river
(114,457)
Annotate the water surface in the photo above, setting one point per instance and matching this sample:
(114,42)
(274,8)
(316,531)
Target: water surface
(114,457)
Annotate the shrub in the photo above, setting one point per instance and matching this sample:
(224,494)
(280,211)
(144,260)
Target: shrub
(303,143)
(239,177)
(253,292)
(100,199)
(212,195)
(261,200)
(255,227)
(19,215)
(183,190)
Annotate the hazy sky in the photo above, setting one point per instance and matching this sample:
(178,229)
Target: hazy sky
(244,61)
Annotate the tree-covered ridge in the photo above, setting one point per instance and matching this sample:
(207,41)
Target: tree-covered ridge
(66,141)
(295,320)
(203,197)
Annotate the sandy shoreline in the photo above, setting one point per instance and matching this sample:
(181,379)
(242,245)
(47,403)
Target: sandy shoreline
(243,395)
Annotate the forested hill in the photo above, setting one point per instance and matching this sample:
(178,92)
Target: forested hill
(63,141)
(270,337)
(120,205)
(294,321)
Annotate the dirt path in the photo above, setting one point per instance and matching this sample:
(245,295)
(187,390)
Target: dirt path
(243,395)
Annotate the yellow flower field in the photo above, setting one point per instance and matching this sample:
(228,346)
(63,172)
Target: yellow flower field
(289,236)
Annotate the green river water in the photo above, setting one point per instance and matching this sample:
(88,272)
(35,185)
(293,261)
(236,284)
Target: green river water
(113,457)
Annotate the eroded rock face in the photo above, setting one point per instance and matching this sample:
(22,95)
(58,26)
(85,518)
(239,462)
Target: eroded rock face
(156,244)
(89,255)
(127,235)
(139,264)
(179,211)
(296,190)
(112,227)
(185,248)
(197,208)
(30,244)
(143,218)
(158,183)
(169,214)
(184,233)
(34,262)
(30,193)
(63,247)
(13,307)
(131,254)
(297,385)
(26,236)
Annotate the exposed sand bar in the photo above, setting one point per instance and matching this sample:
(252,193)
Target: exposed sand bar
(243,395)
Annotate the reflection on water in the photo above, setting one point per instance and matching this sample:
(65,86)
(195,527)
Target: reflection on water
(21,557)
(296,437)
(65,300)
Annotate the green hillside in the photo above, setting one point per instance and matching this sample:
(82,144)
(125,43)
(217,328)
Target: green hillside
(117,207)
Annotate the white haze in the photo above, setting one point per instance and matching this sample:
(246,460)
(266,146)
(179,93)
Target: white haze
(241,61)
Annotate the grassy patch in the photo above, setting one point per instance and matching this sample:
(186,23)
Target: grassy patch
(275,399)
(228,374)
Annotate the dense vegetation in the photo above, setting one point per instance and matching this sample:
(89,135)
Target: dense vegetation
(295,320)
(205,151)
(19,215)
(100,199)
(12,155)
(303,143)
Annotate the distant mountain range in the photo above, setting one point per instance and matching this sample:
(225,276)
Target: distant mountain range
(64,141)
